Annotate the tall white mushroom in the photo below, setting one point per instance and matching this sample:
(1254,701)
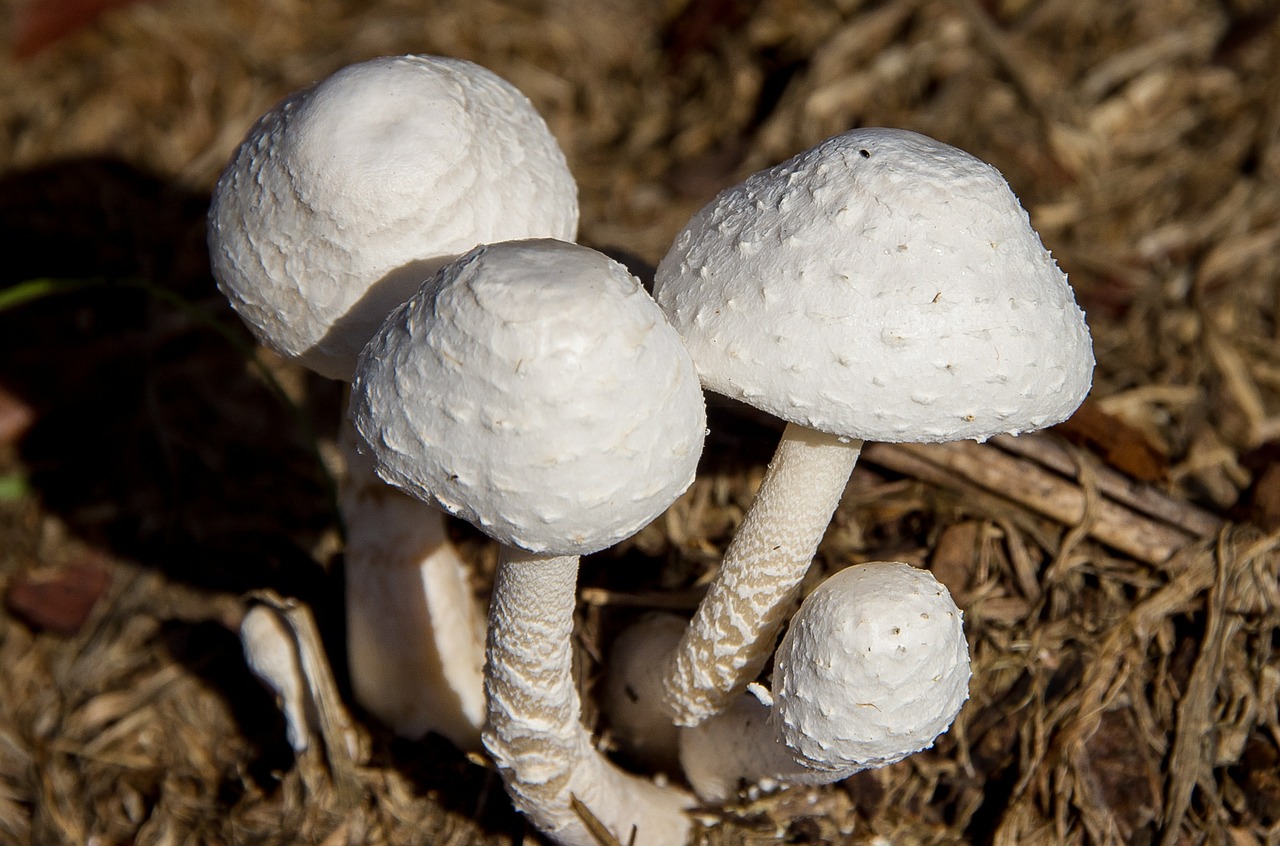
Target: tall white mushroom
(338,204)
(880,286)
(534,389)
(872,669)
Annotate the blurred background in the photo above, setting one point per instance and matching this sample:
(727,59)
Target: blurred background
(155,467)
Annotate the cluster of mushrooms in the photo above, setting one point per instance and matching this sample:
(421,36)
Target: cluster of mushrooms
(408,225)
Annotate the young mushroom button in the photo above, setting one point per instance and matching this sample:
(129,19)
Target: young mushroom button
(872,669)
(880,286)
(534,389)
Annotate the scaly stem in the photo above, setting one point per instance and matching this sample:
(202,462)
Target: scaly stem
(732,634)
(533,731)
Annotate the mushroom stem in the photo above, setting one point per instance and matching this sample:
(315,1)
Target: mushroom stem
(533,732)
(732,633)
(415,641)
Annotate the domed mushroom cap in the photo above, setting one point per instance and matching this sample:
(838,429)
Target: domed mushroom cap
(347,195)
(881,286)
(534,389)
(874,667)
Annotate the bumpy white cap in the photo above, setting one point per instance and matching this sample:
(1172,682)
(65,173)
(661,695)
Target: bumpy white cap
(881,286)
(346,196)
(873,668)
(534,389)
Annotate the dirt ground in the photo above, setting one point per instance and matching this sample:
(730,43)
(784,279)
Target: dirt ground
(1118,575)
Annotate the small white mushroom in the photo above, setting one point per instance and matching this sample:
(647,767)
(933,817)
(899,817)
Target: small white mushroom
(632,692)
(880,286)
(271,651)
(338,204)
(873,668)
(534,389)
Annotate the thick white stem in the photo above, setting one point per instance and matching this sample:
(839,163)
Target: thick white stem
(732,634)
(415,639)
(741,746)
(533,731)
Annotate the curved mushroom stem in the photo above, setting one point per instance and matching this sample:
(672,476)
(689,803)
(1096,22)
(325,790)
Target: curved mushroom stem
(732,634)
(533,733)
(741,746)
(415,638)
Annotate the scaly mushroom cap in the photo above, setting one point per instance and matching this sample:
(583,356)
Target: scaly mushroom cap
(881,286)
(534,389)
(873,668)
(346,196)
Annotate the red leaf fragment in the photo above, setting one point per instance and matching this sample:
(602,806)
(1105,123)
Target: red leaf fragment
(60,599)
(16,416)
(1121,445)
(40,23)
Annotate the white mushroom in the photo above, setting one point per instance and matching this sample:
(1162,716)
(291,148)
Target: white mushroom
(534,389)
(632,692)
(873,668)
(880,286)
(271,652)
(338,204)
(347,195)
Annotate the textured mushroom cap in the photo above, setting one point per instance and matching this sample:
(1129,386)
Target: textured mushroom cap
(881,286)
(873,668)
(346,196)
(534,389)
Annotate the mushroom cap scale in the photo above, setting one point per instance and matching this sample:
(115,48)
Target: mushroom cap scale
(873,668)
(347,195)
(880,286)
(534,389)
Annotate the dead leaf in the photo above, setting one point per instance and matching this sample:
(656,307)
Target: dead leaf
(1120,444)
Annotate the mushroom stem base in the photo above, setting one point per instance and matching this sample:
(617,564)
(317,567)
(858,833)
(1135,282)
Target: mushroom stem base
(533,733)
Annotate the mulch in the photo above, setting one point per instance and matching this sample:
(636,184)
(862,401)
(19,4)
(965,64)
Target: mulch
(1123,615)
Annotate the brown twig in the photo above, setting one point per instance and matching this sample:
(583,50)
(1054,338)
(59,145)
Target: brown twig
(1038,474)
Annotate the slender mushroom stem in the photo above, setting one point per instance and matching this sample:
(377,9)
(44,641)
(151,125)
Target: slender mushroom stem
(533,731)
(732,633)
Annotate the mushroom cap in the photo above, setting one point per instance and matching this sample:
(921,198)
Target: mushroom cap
(632,693)
(347,195)
(883,286)
(535,390)
(872,669)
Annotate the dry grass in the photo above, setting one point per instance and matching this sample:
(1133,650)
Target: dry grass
(1119,695)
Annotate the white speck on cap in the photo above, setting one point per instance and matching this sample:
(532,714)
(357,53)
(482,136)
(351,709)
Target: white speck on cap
(346,196)
(534,389)
(873,668)
(881,286)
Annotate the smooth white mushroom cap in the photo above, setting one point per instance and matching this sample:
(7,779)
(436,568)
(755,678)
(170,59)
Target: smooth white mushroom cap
(347,195)
(535,390)
(632,693)
(881,286)
(873,668)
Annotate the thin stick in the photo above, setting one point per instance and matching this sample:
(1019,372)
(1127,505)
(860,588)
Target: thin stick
(1116,522)
(1143,498)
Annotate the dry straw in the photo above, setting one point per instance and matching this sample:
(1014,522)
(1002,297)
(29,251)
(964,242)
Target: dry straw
(1123,633)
